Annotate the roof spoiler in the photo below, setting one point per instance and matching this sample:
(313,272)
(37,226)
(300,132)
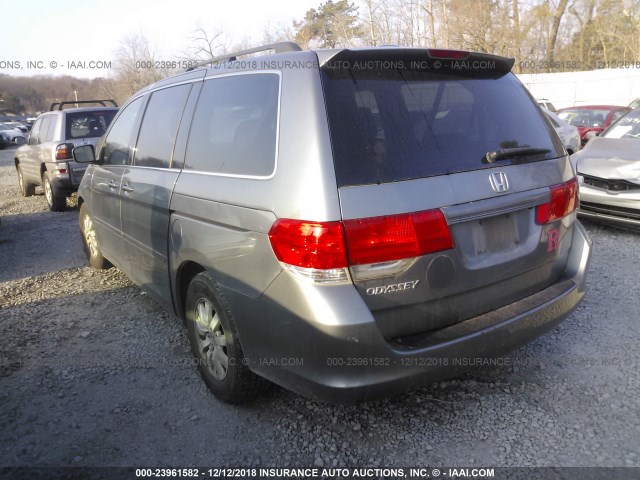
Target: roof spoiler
(419,59)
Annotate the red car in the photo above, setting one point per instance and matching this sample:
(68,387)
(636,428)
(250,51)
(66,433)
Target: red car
(591,118)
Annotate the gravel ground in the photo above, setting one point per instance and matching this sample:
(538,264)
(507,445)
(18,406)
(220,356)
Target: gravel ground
(94,373)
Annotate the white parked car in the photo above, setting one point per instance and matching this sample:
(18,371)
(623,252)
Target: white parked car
(10,136)
(568,133)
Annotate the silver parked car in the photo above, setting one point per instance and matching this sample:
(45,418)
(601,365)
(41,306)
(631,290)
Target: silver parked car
(345,223)
(568,133)
(47,159)
(609,174)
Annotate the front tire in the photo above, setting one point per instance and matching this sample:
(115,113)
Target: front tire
(90,241)
(56,198)
(215,343)
(26,189)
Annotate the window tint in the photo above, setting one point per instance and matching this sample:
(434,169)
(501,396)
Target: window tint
(159,126)
(118,142)
(88,124)
(234,126)
(391,125)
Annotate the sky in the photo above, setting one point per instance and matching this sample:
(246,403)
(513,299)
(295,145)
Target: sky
(49,36)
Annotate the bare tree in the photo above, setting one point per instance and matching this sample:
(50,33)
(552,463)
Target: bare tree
(206,44)
(135,67)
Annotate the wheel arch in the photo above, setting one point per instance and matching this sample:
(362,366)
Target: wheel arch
(185,273)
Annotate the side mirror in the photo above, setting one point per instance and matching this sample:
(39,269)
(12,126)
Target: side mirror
(84,154)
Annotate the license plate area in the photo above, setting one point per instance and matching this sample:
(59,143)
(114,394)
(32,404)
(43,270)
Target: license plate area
(76,175)
(498,239)
(495,234)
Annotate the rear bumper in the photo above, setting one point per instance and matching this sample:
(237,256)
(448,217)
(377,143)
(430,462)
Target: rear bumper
(329,347)
(69,180)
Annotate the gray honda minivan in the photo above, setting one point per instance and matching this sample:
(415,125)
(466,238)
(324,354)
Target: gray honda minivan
(346,223)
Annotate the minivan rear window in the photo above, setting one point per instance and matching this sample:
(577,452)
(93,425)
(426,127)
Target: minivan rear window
(392,125)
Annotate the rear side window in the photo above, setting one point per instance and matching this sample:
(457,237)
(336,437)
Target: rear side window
(234,127)
(391,125)
(88,124)
(44,128)
(35,131)
(51,129)
(118,143)
(159,127)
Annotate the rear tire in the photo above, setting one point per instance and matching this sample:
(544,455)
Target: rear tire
(90,241)
(26,189)
(56,198)
(215,344)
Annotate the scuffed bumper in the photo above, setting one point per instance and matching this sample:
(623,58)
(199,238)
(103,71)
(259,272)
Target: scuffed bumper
(329,347)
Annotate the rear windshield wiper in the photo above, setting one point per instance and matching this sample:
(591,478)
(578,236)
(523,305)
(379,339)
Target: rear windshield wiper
(503,153)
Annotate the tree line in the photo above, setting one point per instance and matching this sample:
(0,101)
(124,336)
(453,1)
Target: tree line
(542,35)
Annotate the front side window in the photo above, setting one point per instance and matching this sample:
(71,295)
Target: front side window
(234,127)
(159,127)
(118,142)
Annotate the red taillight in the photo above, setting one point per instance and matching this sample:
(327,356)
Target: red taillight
(63,152)
(383,239)
(564,200)
(327,245)
(453,54)
(309,244)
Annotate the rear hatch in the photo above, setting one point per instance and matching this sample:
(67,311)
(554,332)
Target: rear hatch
(456,193)
(83,127)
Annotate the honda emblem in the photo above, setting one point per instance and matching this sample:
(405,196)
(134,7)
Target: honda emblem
(499,182)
